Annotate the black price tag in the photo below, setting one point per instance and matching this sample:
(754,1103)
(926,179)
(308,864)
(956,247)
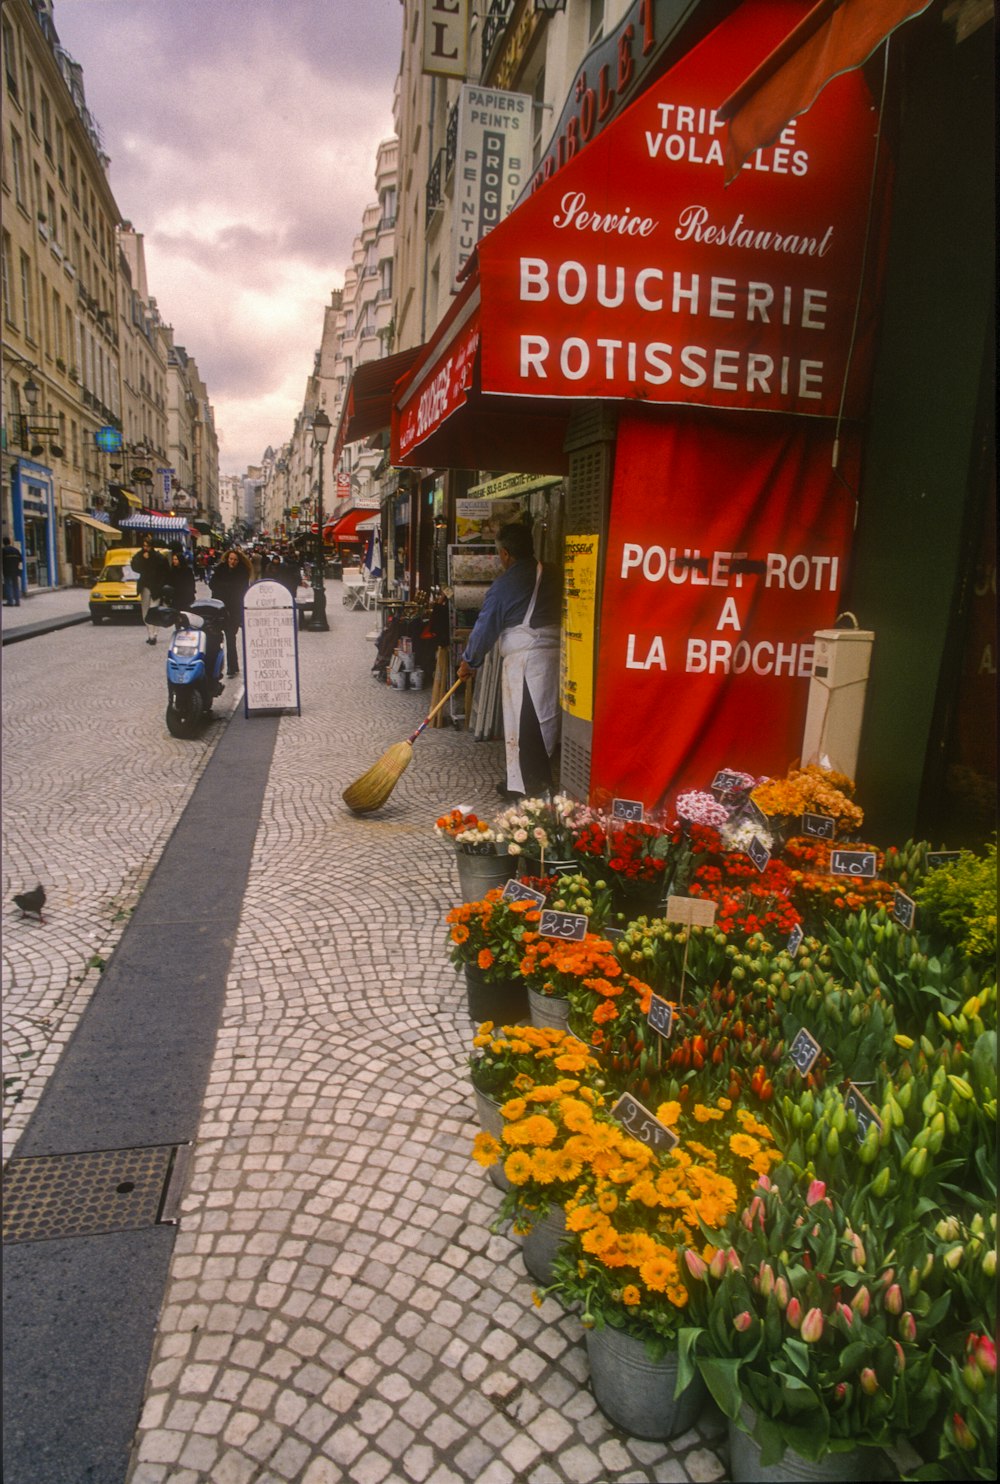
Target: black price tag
(628,810)
(854,863)
(661,1016)
(729,783)
(795,938)
(571,927)
(516,891)
(758,816)
(820,826)
(937,858)
(758,853)
(642,1125)
(803,1051)
(904,909)
(856,1103)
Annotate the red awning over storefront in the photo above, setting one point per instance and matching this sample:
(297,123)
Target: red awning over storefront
(368,405)
(345,529)
(834,37)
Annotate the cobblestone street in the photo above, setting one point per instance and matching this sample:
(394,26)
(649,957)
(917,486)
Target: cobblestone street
(337,1305)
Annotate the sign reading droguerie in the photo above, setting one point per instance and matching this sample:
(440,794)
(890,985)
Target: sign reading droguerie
(270,649)
(635,272)
(439,389)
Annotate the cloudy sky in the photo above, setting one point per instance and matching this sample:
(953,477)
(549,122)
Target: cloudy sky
(242,136)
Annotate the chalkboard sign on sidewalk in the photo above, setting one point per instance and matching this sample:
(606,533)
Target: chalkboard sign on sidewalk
(270,649)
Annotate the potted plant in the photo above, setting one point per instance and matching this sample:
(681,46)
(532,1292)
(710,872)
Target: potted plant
(581,979)
(542,832)
(480,851)
(484,940)
(635,857)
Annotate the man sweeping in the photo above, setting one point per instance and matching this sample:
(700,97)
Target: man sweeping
(521,611)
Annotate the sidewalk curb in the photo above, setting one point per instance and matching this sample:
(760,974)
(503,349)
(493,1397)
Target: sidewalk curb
(46,626)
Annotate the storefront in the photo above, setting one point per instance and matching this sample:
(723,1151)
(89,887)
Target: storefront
(34,523)
(698,359)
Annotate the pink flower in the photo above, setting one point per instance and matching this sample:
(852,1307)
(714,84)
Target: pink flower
(812,1326)
(754,1212)
(894,1299)
(983,1350)
(846,1314)
(781,1292)
(816,1192)
(900,1357)
(696,1265)
(743,1321)
(861,1302)
(794,1313)
(908,1326)
(717,1266)
(733,1260)
(869,1381)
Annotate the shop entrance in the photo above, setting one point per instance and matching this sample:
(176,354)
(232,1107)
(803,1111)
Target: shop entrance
(36,567)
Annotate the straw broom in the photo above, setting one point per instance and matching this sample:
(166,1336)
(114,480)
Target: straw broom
(371,790)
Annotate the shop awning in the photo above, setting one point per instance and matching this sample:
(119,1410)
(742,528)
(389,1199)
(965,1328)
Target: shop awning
(132,499)
(168,525)
(368,405)
(103,526)
(345,528)
(836,36)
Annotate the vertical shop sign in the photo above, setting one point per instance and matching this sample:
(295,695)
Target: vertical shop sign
(493,155)
(576,681)
(270,649)
(445,38)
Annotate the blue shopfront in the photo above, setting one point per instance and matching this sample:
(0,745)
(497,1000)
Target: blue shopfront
(34,525)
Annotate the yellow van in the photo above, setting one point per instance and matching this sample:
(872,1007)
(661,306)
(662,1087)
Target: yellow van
(115,594)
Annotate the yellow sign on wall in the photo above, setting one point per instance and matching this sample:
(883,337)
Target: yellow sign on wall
(576,681)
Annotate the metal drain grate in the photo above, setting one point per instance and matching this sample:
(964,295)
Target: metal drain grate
(80,1195)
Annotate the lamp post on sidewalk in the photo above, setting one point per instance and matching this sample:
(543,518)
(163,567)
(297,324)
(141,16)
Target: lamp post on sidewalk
(318,620)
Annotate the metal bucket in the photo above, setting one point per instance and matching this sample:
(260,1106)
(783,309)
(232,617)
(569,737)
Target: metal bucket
(478,873)
(636,1393)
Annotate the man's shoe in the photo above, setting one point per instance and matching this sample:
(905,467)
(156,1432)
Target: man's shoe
(509,795)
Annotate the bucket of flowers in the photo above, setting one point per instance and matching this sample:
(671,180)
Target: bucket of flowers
(543,832)
(480,851)
(634,857)
(582,985)
(809,790)
(485,941)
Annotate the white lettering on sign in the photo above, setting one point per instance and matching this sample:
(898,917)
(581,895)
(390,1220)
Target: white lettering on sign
(689,133)
(725,568)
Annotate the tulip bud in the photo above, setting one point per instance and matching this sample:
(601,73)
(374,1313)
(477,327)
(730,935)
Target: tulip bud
(794,1313)
(986,1355)
(861,1302)
(953,1257)
(973,1377)
(812,1326)
(743,1321)
(781,1292)
(908,1326)
(816,1192)
(947,1229)
(894,1299)
(766,1279)
(840,1391)
(696,1266)
(869,1381)
(990,1263)
(900,1356)
(846,1314)
(963,1437)
(733,1260)
(717,1266)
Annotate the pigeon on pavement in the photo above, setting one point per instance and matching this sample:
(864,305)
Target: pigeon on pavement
(31,902)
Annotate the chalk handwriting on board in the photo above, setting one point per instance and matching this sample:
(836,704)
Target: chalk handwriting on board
(856,1103)
(727,783)
(569,926)
(803,1052)
(661,1016)
(758,852)
(642,1125)
(937,858)
(853,863)
(516,891)
(821,826)
(627,809)
(904,909)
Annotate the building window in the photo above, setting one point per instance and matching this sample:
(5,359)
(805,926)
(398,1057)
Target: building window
(17,167)
(8,299)
(26,316)
(596,21)
(10,59)
(47,127)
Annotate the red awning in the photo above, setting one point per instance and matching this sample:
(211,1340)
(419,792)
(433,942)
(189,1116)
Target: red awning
(368,405)
(345,528)
(836,36)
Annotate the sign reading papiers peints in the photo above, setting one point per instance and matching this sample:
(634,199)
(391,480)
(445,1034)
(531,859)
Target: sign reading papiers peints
(445,38)
(493,156)
(270,649)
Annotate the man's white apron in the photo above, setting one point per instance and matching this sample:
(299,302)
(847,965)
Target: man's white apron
(528,656)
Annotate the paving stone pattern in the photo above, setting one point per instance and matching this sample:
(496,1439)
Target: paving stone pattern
(338,1308)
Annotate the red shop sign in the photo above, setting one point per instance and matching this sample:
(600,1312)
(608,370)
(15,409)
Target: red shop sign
(635,272)
(437,389)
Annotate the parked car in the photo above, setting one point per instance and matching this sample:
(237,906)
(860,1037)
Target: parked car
(115,594)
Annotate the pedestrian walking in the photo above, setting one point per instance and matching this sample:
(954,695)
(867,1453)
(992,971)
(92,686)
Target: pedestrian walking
(521,611)
(182,580)
(230,581)
(154,574)
(13,564)
(291,573)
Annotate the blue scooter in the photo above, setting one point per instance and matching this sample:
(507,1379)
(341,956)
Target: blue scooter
(194,662)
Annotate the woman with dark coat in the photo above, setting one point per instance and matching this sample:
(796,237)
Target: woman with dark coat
(181,580)
(230,581)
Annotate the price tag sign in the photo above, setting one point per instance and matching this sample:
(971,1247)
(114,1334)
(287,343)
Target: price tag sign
(758,816)
(728,783)
(795,938)
(642,1125)
(571,927)
(627,809)
(516,891)
(904,909)
(854,863)
(758,853)
(856,1103)
(803,1051)
(820,826)
(661,1016)
(695,911)
(937,858)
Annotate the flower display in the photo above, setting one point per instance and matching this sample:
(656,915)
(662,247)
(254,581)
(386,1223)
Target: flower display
(488,934)
(811,790)
(590,975)
(468,832)
(694,807)
(543,828)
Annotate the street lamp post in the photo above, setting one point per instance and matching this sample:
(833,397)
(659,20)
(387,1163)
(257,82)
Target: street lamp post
(318,620)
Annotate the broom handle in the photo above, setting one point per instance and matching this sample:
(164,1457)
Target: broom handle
(431,714)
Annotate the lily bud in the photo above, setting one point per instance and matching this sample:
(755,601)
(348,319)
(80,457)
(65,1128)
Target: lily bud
(794,1313)
(861,1302)
(816,1192)
(894,1299)
(812,1326)
(781,1292)
(743,1321)
(869,1381)
(696,1265)
(908,1326)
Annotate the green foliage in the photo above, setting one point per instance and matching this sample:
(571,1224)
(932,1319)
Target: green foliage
(959,900)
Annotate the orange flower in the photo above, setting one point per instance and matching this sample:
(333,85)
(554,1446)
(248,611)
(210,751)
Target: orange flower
(485,958)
